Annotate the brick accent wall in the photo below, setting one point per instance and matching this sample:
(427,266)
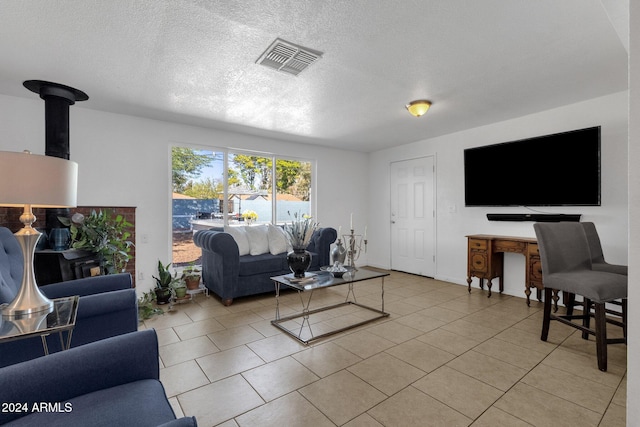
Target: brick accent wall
(10,218)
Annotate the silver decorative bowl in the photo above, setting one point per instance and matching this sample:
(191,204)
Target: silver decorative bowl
(337,272)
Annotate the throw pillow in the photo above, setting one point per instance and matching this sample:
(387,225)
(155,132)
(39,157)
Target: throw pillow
(240,236)
(277,240)
(258,236)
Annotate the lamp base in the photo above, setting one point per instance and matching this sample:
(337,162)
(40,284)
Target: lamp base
(20,309)
(29,299)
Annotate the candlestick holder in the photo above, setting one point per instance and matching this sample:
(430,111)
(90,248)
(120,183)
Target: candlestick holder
(356,244)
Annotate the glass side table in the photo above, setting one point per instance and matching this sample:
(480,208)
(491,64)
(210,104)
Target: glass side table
(62,317)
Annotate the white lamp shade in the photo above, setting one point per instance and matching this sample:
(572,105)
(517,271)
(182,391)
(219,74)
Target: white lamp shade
(39,181)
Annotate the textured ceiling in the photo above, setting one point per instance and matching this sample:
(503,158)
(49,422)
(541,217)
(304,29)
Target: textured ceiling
(193,61)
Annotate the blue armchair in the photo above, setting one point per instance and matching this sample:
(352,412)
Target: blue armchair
(113,382)
(107,306)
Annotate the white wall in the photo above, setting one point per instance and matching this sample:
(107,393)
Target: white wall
(124,161)
(610,112)
(633,361)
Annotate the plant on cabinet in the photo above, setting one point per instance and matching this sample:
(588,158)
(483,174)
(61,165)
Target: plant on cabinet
(104,234)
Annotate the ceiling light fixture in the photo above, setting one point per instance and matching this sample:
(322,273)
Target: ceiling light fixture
(418,108)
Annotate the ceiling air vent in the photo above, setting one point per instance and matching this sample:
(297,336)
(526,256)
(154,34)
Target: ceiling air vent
(288,57)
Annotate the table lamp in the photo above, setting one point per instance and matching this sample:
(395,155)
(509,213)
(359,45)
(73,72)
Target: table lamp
(30,180)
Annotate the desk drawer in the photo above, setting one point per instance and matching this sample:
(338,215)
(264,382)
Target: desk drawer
(535,271)
(478,262)
(477,244)
(510,246)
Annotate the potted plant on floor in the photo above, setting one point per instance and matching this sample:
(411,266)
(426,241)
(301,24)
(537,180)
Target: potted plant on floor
(179,288)
(163,283)
(191,276)
(147,307)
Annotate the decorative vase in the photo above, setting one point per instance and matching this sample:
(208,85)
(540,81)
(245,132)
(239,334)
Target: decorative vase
(163,295)
(59,239)
(339,253)
(299,260)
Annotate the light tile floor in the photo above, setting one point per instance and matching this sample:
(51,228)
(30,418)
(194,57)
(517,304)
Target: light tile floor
(443,358)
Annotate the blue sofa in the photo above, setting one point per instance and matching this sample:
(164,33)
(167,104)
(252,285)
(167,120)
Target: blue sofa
(113,382)
(229,275)
(107,306)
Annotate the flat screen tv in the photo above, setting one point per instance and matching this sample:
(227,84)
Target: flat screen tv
(562,169)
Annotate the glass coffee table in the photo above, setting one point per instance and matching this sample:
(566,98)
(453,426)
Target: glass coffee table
(61,317)
(305,327)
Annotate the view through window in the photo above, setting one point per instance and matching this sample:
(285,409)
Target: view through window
(201,200)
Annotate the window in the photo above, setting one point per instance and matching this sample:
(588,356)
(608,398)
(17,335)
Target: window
(201,199)
(198,187)
(293,188)
(250,187)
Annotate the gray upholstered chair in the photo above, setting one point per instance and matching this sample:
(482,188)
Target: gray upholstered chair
(597,256)
(566,267)
(599,264)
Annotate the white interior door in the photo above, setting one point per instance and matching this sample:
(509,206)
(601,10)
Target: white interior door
(413,216)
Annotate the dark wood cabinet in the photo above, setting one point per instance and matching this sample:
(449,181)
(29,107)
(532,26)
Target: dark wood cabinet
(59,266)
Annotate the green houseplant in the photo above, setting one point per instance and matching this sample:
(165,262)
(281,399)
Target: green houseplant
(163,283)
(191,276)
(146,306)
(179,287)
(103,234)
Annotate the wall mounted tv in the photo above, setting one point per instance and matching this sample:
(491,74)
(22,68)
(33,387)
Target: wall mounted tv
(562,169)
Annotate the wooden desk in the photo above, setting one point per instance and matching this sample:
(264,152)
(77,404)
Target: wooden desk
(485,260)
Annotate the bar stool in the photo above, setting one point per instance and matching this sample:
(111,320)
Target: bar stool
(597,256)
(598,263)
(566,267)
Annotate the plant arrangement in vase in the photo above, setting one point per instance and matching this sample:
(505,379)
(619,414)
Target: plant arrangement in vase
(191,276)
(102,234)
(163,283)
(299,233)
(249,216)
